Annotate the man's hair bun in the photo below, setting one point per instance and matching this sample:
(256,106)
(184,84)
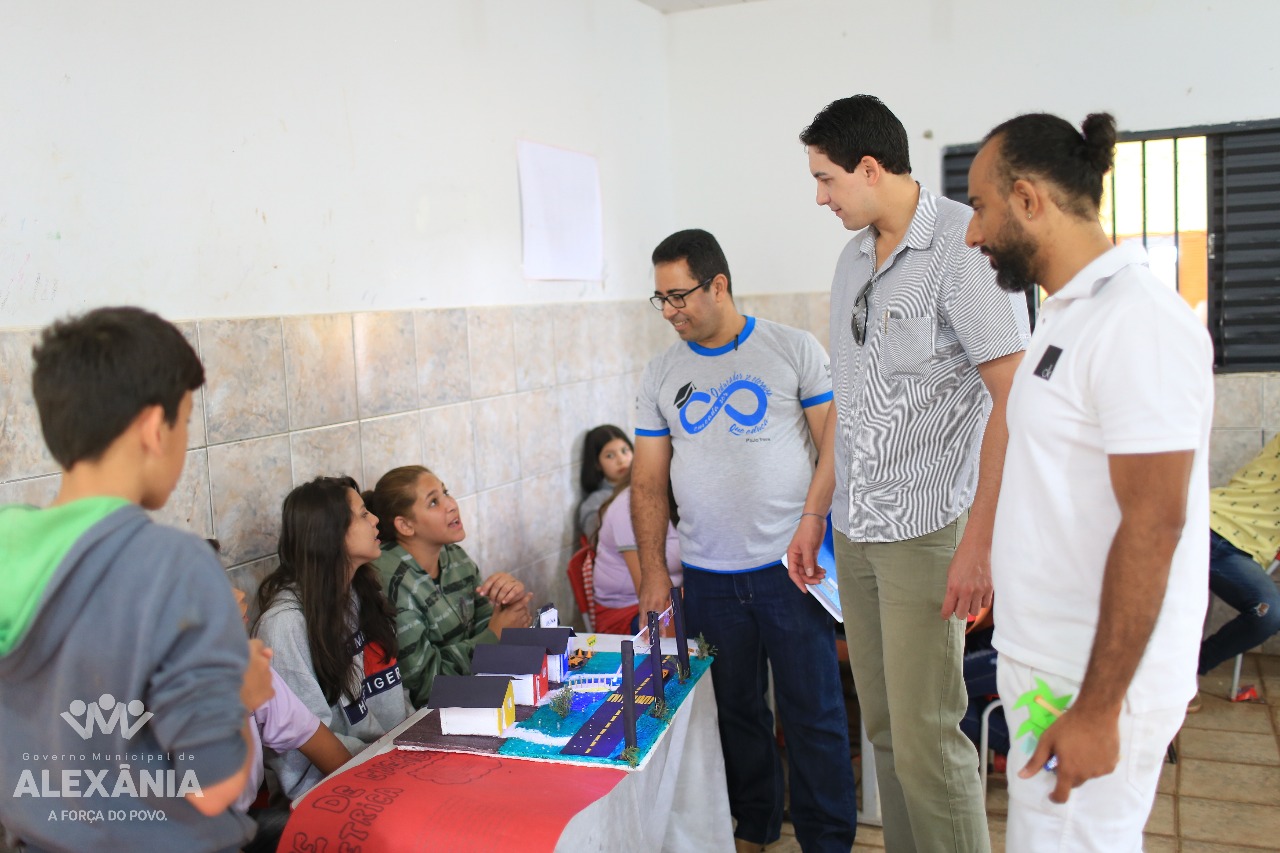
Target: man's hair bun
(1040,145)
(1099,131)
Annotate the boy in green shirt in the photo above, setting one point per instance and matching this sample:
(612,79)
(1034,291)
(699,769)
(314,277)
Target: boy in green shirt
(123,628)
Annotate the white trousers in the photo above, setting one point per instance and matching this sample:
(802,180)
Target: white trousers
(1104,815)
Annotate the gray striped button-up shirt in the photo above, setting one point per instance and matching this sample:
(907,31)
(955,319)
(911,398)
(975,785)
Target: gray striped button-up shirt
(911,405)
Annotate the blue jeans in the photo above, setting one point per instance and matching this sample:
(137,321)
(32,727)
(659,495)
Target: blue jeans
(1237,579)
(759,618)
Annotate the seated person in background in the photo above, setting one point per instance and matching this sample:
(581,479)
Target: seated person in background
(96,600)
(617,564)
(332,632)
(443,609)
(980,685)
(606,459)
(1244,525)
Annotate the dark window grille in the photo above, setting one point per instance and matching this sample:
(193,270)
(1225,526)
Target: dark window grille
(1244,250)
(1243,196)
(956,160)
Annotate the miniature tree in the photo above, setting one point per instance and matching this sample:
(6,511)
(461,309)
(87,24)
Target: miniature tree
(705,649)
(631,755)
(659,710)
(563,703)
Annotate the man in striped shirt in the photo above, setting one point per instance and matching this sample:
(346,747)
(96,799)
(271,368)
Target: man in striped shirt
(924,346)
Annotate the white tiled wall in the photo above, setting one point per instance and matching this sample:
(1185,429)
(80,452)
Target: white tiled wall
(495,400)
(1246,416)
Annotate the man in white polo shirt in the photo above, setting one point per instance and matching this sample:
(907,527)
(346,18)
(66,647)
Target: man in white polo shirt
(1101,532)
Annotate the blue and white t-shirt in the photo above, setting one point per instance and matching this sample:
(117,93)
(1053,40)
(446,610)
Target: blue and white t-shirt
(742,456)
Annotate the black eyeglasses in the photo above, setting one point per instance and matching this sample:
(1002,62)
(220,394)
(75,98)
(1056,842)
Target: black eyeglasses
(676,300)
(858,321)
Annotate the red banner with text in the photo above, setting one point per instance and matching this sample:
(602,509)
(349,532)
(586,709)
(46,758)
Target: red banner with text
(418,801)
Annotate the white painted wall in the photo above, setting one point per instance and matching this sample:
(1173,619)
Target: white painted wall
(301,156)
(746,78)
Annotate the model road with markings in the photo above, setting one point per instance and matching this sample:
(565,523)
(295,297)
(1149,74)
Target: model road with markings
(601,734)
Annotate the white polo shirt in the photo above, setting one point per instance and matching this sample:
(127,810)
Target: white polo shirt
(1118,364)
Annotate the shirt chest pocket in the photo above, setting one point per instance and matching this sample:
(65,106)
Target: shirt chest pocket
(906,346)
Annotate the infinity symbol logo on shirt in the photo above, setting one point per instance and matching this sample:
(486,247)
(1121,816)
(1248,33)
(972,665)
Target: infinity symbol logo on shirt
(722,402)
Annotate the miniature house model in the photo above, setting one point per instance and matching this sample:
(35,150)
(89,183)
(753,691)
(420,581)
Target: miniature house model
(473,706)
(525,665)
(554,640)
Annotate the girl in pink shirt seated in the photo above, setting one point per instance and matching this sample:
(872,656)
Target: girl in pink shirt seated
(617,564)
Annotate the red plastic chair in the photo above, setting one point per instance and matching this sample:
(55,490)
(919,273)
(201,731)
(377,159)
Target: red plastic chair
(581,570)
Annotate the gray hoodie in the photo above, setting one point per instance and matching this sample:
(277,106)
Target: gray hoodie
(121,659)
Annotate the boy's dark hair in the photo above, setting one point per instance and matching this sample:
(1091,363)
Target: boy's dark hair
(859,126)
(95,373)
(313,565)
(1048,147)
(700,250)
(591,476)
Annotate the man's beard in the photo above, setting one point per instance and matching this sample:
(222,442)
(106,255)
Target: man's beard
(1014,258)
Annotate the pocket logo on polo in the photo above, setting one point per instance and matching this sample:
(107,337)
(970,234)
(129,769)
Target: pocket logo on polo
(743,399)
(1048,362)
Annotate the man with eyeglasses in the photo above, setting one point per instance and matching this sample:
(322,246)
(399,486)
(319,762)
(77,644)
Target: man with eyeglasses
(730,416)
(924,348)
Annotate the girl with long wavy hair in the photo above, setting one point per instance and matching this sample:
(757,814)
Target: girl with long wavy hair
(331,630)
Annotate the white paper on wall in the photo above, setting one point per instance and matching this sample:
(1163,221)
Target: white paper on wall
(560,213)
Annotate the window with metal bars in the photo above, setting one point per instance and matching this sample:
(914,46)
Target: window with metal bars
(1205,203)
(956,160)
